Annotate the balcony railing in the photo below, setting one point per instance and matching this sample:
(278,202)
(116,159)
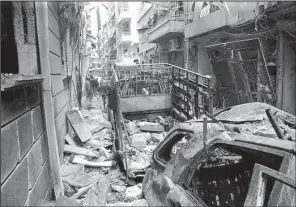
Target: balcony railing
(123,36)
(167,27)
(199,23)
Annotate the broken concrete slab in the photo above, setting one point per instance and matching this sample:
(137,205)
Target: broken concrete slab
(79,179)
(151,127)
(156,137)
(144,135)
(139,142)
(118,188)
(97,195)
(134,193)
(61,201)
(81,151)
(132,128)
(79,160)
(69,168)
(140,202)
(96,144)
(70,140)
(79,126)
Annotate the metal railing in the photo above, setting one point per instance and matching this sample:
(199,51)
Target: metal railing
(191,92)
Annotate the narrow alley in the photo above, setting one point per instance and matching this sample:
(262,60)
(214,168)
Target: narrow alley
(171,103)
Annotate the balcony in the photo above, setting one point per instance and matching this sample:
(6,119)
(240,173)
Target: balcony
(166,28)
(197,26)
(128,57)
(124,37)
(124,15)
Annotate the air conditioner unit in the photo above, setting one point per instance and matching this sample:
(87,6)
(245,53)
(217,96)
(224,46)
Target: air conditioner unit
(174,45)
(161,48)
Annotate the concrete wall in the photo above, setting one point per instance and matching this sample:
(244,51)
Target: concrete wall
(144,103)
(25,166)
(60,84)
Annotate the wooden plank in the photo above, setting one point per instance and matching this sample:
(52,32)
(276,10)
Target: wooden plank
(81,191)
(79,160)
(57,84)
(55,64)
(80,151)
(53,24)
(42,32)
(54,45)
(78,125)
(245,77)
(280,71)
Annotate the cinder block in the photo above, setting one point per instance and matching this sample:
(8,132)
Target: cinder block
(44,147)
(34,163)
(39,190)
(25,133)
(33,96)
(38,122)
(9,149)
(13,103)
(139,142)
(15,189)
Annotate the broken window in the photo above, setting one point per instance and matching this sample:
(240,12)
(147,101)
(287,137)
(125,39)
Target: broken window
(9,57)
(223,177)
(169,148)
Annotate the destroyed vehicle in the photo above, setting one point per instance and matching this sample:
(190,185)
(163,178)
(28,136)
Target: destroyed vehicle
(229,169)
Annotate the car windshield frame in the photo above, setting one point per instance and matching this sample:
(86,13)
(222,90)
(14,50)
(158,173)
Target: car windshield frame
(287,157)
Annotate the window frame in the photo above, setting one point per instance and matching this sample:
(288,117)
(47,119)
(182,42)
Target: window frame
(202,155)
(163,144)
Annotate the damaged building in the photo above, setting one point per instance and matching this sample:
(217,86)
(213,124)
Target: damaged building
(243,46)
(166,104)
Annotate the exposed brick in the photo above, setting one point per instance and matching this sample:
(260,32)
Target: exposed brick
(33,96)
(9,149)
(25,133)
(40,188)
(34,163)
(38,122)
(13,103)
(44,148)
(15,189)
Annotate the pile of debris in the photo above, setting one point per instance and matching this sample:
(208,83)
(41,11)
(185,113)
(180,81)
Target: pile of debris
(90,174)
(141,138)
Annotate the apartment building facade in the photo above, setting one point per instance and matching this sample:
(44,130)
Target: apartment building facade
(127,37)
(239,44)
(161,28)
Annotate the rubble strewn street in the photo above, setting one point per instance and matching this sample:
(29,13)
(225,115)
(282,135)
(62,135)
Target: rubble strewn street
(148,103)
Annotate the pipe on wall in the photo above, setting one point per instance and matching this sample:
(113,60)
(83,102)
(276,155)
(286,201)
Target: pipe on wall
(43,43)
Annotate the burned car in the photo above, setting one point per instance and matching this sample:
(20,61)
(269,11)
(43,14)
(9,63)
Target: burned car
(232,168)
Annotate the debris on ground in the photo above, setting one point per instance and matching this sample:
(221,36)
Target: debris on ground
(134,193)
(78,125)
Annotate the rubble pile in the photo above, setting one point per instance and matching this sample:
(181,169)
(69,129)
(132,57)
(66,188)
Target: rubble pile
(143,137)
(90,173)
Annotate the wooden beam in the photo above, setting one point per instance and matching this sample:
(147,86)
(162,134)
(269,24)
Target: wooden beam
(43,39)
(245,77)
(280,71)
